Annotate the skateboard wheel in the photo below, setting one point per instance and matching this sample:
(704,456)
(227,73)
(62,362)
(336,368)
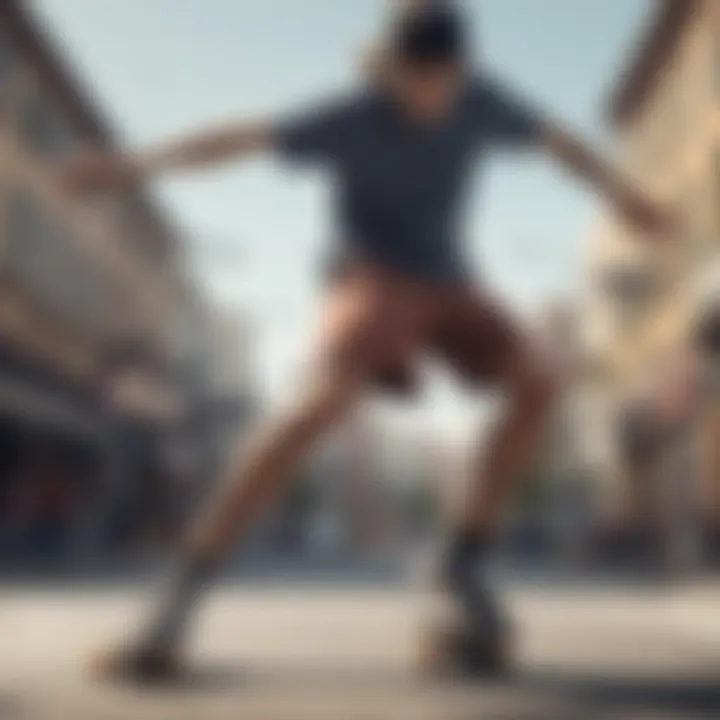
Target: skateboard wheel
(453,651)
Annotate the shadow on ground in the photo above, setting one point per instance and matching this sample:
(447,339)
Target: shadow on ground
(594,695)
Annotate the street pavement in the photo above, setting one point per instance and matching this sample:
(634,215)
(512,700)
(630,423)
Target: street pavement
(348,653)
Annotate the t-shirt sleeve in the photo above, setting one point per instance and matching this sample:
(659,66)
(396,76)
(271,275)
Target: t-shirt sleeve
(502,118)
(318,135)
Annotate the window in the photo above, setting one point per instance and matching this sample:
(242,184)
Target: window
(120,213)
(8,63)
(138,231)
(632,292)
(7,54)
(629,285)
(42,258)
(46,130)
(697,212)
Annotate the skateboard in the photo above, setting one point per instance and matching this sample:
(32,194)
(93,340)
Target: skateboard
(458,649)
(453,645)
(126,665)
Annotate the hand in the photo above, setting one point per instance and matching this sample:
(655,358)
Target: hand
(95,172)
(648,216)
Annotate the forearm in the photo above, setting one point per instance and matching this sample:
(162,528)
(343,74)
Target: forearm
(586,164)
(214,147)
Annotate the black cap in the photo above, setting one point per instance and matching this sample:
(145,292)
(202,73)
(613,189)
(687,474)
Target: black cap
(430,33)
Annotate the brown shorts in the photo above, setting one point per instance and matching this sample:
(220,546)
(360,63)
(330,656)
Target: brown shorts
(378,324)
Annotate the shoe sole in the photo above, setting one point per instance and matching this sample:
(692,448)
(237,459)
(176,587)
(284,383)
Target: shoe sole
(451,652)
(118,667)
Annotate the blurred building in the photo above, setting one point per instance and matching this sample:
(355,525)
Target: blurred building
(366,494)
(560,502)
(93,315)
(636,310)
(349,487)
(225,381)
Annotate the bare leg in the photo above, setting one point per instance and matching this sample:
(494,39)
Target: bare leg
(260,471)
(267,461)
(481,643)
(513,446)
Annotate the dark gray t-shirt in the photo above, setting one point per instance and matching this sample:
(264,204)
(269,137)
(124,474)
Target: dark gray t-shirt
(401,187)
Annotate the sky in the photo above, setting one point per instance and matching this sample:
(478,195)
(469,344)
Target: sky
(160,68)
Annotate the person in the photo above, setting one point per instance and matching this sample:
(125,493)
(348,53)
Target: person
(666,440)
(401,149)
(703,389)
(656,424)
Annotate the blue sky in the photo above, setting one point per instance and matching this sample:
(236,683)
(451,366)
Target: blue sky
(162,67)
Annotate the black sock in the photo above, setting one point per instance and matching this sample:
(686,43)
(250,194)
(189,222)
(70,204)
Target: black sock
(465,560)
(465,555)
(177,600)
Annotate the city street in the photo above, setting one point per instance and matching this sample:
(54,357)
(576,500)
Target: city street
(347,652)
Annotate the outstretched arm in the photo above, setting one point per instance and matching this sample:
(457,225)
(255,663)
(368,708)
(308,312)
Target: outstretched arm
(512,121)
(97,171)
(209,148)
(320,134)
(589,166)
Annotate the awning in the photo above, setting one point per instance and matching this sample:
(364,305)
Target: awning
(139,396)
(21,400)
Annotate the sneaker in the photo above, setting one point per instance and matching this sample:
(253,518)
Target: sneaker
(138,665)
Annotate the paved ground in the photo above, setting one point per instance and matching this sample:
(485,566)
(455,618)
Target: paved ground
(346,654)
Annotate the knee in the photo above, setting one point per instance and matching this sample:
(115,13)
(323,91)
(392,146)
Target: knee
(326,395)
(539,389)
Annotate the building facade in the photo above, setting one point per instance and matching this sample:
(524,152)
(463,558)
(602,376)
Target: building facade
(666,120)
(91,301)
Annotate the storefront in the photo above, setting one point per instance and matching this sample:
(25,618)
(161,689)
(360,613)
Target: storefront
(55,463)
(84,475)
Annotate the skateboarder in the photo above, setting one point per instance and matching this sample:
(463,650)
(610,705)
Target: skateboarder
(401,150)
